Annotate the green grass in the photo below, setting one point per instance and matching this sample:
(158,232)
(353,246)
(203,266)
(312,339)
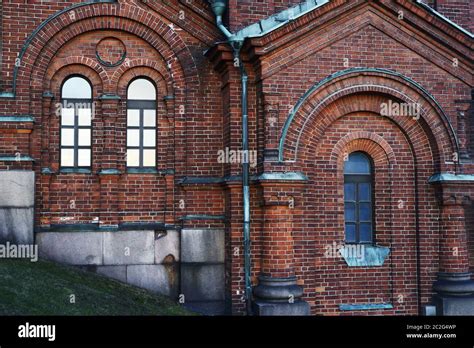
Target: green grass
(45,288)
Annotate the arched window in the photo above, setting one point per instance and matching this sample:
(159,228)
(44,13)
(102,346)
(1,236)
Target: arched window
(358,198)
(76,123)
(141,124)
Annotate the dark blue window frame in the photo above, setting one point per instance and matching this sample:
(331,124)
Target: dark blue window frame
(359,223)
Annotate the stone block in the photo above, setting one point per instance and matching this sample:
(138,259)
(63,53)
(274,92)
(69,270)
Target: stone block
(16,225)
(129,247)
(206,245)
(267,308)
(115,272)
(166,245)
(162,279)
(74,248)
(451,305)
(202,282)
(17,189)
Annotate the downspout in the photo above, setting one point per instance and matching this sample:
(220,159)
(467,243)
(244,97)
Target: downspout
(219,7)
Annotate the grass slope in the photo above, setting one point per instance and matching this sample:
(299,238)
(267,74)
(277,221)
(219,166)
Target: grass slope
(45,288)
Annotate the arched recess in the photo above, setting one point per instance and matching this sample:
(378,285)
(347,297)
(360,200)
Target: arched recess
(41,46)
(353,106)
(373,83)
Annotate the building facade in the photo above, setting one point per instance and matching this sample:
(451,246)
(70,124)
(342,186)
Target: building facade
(121,149)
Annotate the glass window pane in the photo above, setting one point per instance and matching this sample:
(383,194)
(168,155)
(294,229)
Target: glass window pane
(67,158)
(149,118)
(350,233)
(365,232)
(365,212)
(141,89)
(133,158)
(349,192)
(357,163)
(364,192)
(133,118)
(84,137)
(149,137)
(349,209)
(133,137)
(149,158)
(67,137)
(76,88)
(67,117)
(84,116)
(84,159)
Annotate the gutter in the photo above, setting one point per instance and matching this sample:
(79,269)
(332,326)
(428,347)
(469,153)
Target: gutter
(219,7)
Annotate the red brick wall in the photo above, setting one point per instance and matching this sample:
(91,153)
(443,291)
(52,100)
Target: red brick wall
(204,117)
(245,12)
(459,11)
(470,234)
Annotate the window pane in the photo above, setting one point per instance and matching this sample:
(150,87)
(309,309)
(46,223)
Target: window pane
(84,158)
(76,87)
(364,192)
(149,137)
(67,157)
(149,159)
(365,232)
(84,137)
(67,137)
(133,158)
(141,89)
(357,163)
(149,118)
(133,137)
(350,233)
(133,118)
(365,212)
(350,211)
(67,117)
(84,116)
(349,192)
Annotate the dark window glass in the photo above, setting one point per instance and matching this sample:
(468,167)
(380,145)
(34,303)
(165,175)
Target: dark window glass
(141,124)
(76,124)
(358,203)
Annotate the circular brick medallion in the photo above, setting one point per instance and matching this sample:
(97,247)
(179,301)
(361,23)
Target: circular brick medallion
(110,52)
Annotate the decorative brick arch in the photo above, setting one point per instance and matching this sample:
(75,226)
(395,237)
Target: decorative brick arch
(41,46)
(373,144)
(137,67)
(70,63)
(319,103)
(76,68)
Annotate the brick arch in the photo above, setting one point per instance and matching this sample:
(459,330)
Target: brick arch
(76,69)
(45,41)
(422,148)
(138,67)
(89,25)
(71,63)
(323,98)
(373,144)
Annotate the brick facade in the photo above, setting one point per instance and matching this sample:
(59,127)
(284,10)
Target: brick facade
(316,87)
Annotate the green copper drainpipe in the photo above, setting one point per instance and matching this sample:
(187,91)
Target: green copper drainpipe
(219,7)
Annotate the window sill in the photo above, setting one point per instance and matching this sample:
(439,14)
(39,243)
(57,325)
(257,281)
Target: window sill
(74,171)
(364,255)
(142,171)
